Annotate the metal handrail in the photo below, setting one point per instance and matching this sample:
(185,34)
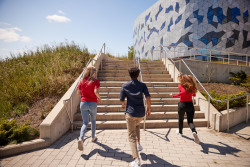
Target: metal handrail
(210,53)
(70,97)
(209,96)
(144,99)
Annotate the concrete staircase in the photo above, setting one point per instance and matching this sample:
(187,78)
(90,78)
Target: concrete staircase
(160,84)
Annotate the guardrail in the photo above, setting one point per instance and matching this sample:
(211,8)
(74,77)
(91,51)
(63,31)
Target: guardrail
(208,54)
(70,97)
(209,96)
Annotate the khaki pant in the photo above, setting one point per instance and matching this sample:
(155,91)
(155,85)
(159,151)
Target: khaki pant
(133,126)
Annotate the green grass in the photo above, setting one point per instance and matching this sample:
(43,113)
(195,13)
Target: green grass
(48,71)
(26,78)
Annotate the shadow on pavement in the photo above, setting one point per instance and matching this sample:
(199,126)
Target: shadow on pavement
(108,152)
(223,150)
(67,138)
(117,154)
(154,160)
(157,134)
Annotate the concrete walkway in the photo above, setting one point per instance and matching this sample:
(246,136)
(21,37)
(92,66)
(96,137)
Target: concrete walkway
(162,147)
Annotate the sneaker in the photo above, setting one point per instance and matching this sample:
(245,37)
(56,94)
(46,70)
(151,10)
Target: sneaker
(196,138)
(94,139)
(178,133)
(80,144)
(139,147)
(136,163)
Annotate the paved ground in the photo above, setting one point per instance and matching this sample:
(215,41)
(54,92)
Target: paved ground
(162,147)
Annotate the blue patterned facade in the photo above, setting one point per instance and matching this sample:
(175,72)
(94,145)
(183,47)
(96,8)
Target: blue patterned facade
(210,24)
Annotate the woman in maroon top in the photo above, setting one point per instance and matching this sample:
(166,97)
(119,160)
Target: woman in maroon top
(88,89)
(187,89)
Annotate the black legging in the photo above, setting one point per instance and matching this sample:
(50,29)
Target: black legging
(188,108)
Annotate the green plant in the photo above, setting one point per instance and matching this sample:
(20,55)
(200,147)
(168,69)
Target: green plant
(238,78)
(11,132)
(247,84)
(130,53)
(21,109)
(240,102)
(48,71)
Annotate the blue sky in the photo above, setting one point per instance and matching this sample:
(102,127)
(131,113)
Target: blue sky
(28,24)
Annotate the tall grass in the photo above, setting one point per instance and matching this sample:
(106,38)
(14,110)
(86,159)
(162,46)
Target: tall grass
(48,71)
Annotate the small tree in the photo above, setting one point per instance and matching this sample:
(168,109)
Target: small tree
(130,53)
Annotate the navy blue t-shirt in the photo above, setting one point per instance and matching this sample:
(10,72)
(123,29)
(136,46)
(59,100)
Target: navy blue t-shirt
(134,90)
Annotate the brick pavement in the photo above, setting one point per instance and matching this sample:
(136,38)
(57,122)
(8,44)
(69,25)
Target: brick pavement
(162,147)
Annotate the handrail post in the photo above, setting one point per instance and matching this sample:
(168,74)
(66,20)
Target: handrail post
(246,60)
(227,115)
(228,58)
(165,59)
(210,56)
(247,109)
(208,113)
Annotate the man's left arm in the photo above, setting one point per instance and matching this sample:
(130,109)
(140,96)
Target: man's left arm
(122,98)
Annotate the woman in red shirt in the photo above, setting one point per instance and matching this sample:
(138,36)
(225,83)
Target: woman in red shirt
(187,89)
(88,89)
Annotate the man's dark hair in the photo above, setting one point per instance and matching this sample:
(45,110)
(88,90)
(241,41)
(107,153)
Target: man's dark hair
(134,72)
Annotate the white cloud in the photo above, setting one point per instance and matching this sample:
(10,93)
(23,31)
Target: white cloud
(57,18)
(11,35)
(61,12)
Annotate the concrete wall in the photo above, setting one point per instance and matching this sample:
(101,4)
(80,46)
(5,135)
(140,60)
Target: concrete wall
(216,71)
(236,116)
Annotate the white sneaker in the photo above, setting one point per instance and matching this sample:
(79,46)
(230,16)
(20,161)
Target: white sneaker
(178,133)
(136,163)
(94,139)
(196,138)
(80,144)
(139,147)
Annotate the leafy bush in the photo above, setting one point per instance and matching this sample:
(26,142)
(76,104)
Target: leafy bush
(247,84)
(220,106)
(238,78)
(11,132)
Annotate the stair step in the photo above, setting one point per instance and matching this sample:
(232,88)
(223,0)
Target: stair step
(164,123)
(128,79)
(149,84)
(116,74)
(121,115)
(117,108)
(126,71)
(110,101)
(150,89)
(127,68)
(152,94)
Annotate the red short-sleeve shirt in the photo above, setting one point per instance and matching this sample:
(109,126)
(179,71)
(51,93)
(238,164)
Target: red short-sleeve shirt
(87,89)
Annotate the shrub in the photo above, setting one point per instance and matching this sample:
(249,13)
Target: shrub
(11,132)
(21,109)
(220,106)
(238,78)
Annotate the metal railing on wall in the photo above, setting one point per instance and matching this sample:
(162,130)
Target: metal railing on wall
(65,101)
(208,55)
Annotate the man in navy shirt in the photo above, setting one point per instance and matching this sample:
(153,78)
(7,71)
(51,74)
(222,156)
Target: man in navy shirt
(135,110)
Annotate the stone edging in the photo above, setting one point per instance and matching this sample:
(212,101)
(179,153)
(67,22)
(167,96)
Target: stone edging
(23,147)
